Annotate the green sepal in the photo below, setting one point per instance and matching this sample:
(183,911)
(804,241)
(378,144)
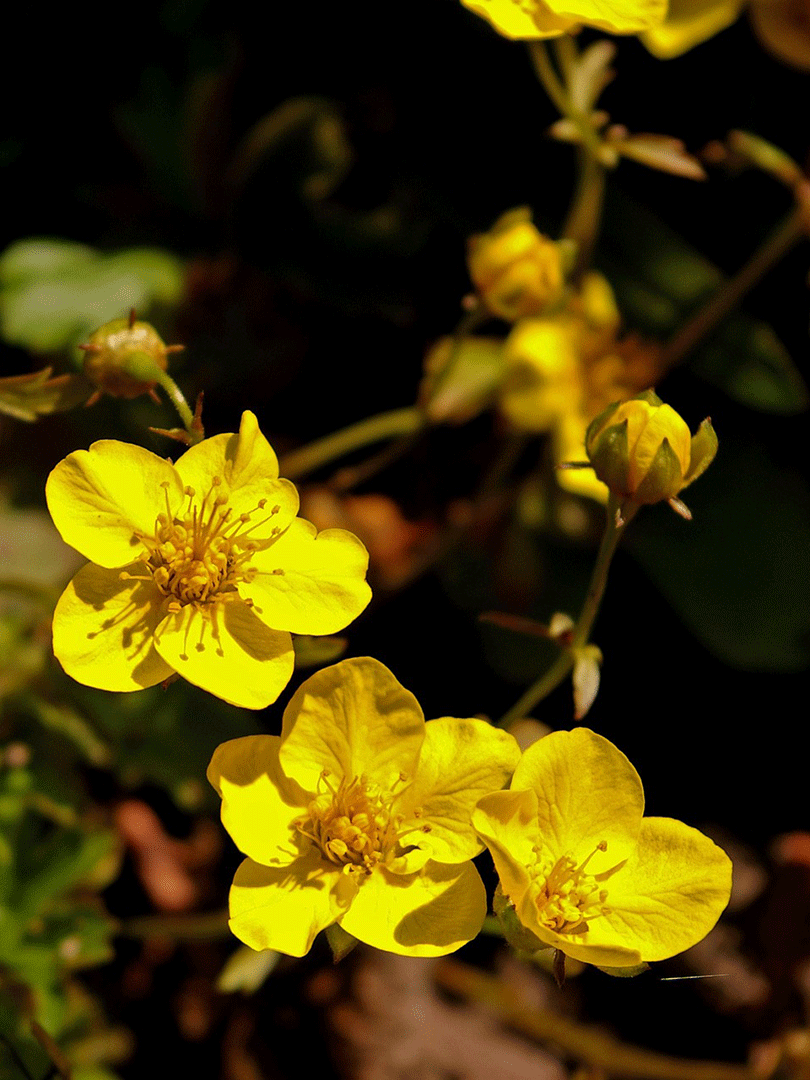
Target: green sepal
(649,396)
(600,422)
(704,448)
(664,478)
(516,934)
(341,942)
(610,457)
(624,972)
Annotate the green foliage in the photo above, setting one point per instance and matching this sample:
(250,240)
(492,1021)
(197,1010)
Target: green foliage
(55,292)
(744,589)
(660,280)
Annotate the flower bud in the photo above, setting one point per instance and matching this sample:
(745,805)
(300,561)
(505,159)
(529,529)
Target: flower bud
(516,270)
(643,451)
(121,355)
(543,380)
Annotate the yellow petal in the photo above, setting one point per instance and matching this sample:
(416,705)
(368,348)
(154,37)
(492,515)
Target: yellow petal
(615,16)
(431,913)
(352,719)
(284,908)
(103,630)
(646,431)
(688,23)
(507,822)
(592,946)
(321,585)
(225,649)
(669,895)
(542,379)
(587,791)
(248,469)
(569,445)
(460,761)
(529,20)
(259,803)
(99,498)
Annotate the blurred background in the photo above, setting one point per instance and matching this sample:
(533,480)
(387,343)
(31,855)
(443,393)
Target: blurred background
(288,191)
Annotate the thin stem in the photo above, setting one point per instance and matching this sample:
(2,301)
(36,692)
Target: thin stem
(387,425)
(582,1042)
(787,234)
(548,76)
(207,926)
(175,395)
(551,679)
(585,213)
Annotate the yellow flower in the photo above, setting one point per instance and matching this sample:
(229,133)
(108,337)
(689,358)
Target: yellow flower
(643,451)
(688,23)
(200,568)
(533,19)
(564,368)
(586,872)
(782,26)
(359,814)
(516,270)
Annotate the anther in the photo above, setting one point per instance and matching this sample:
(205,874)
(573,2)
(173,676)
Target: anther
(278,571)
(189,491)
(262,503)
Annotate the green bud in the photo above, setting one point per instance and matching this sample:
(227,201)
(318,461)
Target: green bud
(125,358)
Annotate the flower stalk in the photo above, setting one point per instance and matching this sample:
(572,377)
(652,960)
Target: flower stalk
(559,670)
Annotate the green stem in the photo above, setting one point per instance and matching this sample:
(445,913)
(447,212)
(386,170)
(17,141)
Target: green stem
(787,234)
(208,926)
(551,679)
(585,213)
(175,395)
(545,72)
(387,425)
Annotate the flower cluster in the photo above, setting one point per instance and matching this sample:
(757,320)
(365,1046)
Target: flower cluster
(563,361)
(200,568)
(362,814)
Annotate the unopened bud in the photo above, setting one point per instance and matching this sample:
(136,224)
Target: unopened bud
(515,268)
(643,451)
(123,357)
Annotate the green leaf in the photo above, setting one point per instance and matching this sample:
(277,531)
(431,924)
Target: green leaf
(69,857)
(739,573)
(54,292)
(660,281)
(246,970)
(69,723)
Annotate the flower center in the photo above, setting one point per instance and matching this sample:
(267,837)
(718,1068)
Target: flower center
(201,556)
(567,897)
(353,824)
